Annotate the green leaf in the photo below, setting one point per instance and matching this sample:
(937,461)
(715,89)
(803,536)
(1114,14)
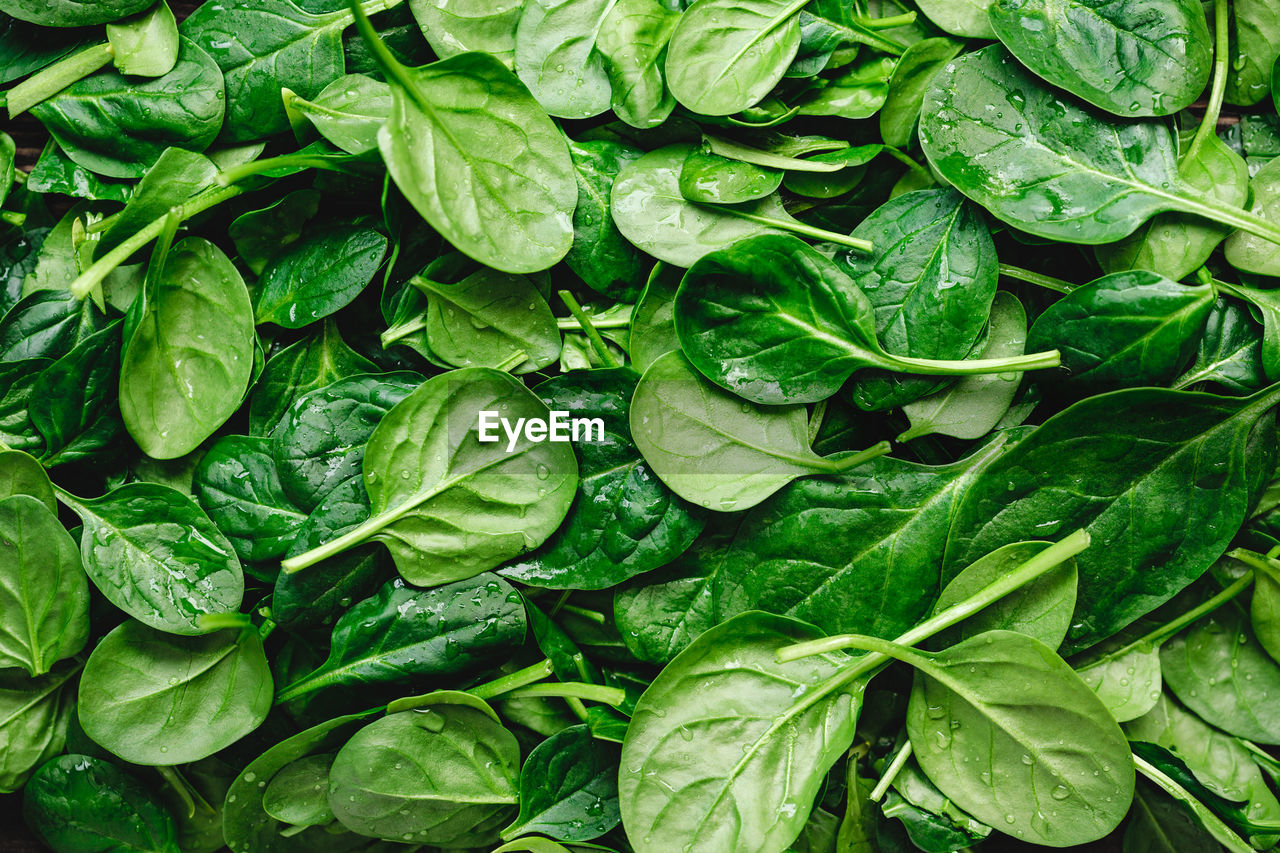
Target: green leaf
(1250,252)
(44,596)
(1230,351)
(623,521)
(145,45)
(1217,668)
(154,554)
(402,634)
(347,112)
(73,403)
(260,234)
(455,784)
(187,363)
(238,485)
(78,802)
(33,721)
(496,182)
(298,794)
(1091,465)
(728,748)
(633,41)
(308,365)
(725,56)
(556,56)
(71,13)
(1124,329)
(713,448)
(653,327)
(1254,48)
(1146,58)
(318,275)
(600,255)
(153,698)
(447,505)
(967,18)
(21,474)
(1015,701)
(119,127)
(457,26)
(568,788)
(910,80)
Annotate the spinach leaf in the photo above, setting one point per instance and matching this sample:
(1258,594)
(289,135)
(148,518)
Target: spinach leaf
(34,713)
(600,255)
(633,41)
(298,794)
(456,790)
(308,365)
(1218,669)
(318,275)
(260,234)
(556,56)
(1124,329)
(44,616)
(320,442)
(776,322)
(1253,50)
(712,179)
(402,634)
(489,319)
(265,45)
(653,328)
(715,449)
(1090,465)
(930,279)
(975,405)
(885,529)
(967,18)
(1229,352)
(347,112)
(858,92)
(1032,786)
(1250,252)
(176,176)
(458,26)
(17,378)
(21,474)
(1127,683)
(54,172)
(623,521)
(187,363)
(447,505)
(509,208)
(1050,166)
(154,554)
(1150,58)
(568,788)
(146,44)
(910,80)
(725,56)
(728,748)
(119,127)
(46,324)
(73,402)
(238,485)
(154,698)
(71,13)
(79,802)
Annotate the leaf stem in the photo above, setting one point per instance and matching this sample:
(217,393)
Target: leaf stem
(797,227)
(398,331)
(1233,217)
(969,367)
(856,459)
(1218,89)
(888,23)
(593,335)
(201,202)
(1211,822)
(1033,568)
(329,162)
(816,417)
(519,678)
(891,772)
(49,81)
(614,696)
(1038,279)
(217,621)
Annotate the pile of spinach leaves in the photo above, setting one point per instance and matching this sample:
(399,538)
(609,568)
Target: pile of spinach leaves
(934,348)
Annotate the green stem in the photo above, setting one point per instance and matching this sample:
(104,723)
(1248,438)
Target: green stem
(872,452)
(1033,568)
(1233,217)
(816,417)
(46,83)
(94,275)
(519,678)
(570,324)
(403,330)
(1046,281)
(383,58)
(1217,91)
(583,613)
(1210,821)
(218,621)
(890,773)
(1154,638)
(579,710)
(13,217)
(614,696)
(970,367)
(889,23)
(180,787)
(797,227)
(592,333)
(514,360)
(909,161)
